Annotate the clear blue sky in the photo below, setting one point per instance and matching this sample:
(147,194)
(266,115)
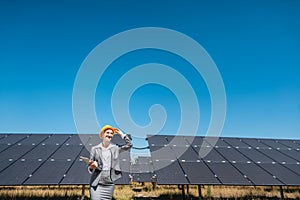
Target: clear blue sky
(255,45)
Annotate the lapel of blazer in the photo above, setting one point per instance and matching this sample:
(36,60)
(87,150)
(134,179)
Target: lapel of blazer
(98,153)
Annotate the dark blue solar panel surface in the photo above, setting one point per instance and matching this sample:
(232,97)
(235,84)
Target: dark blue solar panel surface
(256,174)
(170,174)
(255,156)
(290,144)
(199,173)
(34,159)
(285,175)
(232,161)
(46,159)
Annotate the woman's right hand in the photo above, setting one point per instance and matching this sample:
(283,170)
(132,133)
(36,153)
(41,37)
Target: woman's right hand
(93,165)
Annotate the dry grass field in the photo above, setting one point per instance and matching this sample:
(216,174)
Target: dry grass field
(146,192)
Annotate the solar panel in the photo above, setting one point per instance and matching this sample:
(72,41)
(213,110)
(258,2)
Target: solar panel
(220,143)
(8,140)
(236,142)
(18,172)
(290,143)
(232,155)
(294,167)
(50,173)
(282,173)
(232,161)
(194,141)
(186,153)
(77,174)
(165,153)
(227,174)
(256,174)
(172,174)
(274,144)
(213,155)
(199,173)
(255,156)
(255,143)
(47,159)
(4,164)
(277,156)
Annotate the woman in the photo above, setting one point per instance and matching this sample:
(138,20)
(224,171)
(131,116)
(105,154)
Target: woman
(104,165)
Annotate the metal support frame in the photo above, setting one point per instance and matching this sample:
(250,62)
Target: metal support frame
(199,192)
(82,192)
(281,192)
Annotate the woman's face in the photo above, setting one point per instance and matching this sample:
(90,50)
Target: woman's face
(108,135)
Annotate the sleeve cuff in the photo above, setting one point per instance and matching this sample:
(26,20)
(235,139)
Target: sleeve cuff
(122,135)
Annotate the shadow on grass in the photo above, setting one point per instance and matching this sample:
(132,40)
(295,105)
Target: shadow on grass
(43,198)
(161,197)
(179,197)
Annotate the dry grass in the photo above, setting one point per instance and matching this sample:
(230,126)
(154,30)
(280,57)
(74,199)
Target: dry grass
(138,191)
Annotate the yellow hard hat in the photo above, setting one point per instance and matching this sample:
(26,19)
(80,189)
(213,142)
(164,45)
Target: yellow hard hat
(104,128)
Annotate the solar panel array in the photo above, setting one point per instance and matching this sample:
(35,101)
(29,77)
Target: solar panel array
(50,159)
(232,161)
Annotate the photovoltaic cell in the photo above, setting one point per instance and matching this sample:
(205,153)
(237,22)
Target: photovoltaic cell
(194,141)
(290,143)
(231,154)
(228,174)
(212,156)
(185,153)
(10,140)
(282,173)
(255,143)
(4,164)
(199,173)
(171,174)
(33,140)
(256,174)
(77,174)
(277,156)
(294,167)
(255,156)
(18,172)
(165,153)
(235,142)
(274,144)
(67,152)
(13,138)
(15,152)
(293,154)
(50,173)
(56,139)
(40,152)
(221,143)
